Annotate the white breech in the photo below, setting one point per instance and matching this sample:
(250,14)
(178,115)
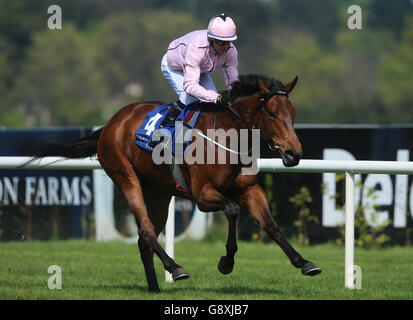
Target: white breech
(176,80)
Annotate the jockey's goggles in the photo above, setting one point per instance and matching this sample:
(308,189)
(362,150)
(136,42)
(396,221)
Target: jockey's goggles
(222,43)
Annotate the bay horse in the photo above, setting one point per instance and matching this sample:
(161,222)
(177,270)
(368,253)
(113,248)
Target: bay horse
(255,101)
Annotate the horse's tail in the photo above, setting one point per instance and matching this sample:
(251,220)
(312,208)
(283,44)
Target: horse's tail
(81,148)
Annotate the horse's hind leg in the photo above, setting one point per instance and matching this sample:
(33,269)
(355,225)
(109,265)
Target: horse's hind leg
(145,250)
(226,264)
(147,260)
(128,182)
(157,205)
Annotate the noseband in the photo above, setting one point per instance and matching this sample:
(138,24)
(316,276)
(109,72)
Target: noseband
(272,144)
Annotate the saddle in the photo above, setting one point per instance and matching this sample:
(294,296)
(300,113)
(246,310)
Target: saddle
(172,125)
(169,122)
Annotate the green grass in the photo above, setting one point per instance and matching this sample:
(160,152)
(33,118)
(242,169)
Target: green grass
(113,270)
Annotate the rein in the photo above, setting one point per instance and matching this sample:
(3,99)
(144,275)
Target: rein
(272,144)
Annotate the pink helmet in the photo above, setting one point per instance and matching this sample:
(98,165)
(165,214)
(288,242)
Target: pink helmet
(222,27)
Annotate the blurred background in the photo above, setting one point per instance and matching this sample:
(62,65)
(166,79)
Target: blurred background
(108,54)
(355,92)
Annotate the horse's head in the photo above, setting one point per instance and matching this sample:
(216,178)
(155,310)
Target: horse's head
(268,109)
(276,122)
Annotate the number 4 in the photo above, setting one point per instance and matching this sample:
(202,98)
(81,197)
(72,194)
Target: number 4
(150,126)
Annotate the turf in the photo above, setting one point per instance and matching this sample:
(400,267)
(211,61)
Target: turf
(113,270)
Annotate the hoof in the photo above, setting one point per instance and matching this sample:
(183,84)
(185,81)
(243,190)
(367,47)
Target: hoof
(310,269)
(224,267)
(179,274)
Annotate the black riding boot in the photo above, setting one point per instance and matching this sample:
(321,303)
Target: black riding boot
(174,111)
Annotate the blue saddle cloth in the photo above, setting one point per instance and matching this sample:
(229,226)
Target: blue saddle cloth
(154,118)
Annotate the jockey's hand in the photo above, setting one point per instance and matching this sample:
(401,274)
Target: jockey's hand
(223,101)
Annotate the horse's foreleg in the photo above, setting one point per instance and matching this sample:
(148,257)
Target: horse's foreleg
(255,201)
(226,264)
(210,199)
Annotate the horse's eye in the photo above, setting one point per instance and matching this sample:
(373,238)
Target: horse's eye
(272,114)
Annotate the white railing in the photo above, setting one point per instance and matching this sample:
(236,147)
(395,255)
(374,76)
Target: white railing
(49,163)
(350,168)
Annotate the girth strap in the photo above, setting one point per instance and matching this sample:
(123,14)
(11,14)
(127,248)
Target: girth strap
(179,179)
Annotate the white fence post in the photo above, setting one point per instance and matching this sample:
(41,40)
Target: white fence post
(349,238)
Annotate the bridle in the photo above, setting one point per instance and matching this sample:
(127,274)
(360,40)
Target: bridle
(272,144)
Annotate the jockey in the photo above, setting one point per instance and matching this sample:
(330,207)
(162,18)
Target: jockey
(191,58)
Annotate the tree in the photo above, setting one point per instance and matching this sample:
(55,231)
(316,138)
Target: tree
(131,47)
(318,73)
(300,202)
(389,15)
(19,20)
(319,17)
(361,53)
(396,78)
(59,83)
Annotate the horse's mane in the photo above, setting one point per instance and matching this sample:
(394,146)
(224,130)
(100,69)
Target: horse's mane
(247,85)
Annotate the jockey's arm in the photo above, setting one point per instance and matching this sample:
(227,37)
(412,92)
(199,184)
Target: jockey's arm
(192,73)
(230,67)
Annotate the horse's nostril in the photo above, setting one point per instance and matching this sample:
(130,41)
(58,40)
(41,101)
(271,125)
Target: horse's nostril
(293,154)
(290,152)
(291,157)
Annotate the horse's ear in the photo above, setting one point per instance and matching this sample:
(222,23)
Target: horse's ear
(263,87)
(290,86)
